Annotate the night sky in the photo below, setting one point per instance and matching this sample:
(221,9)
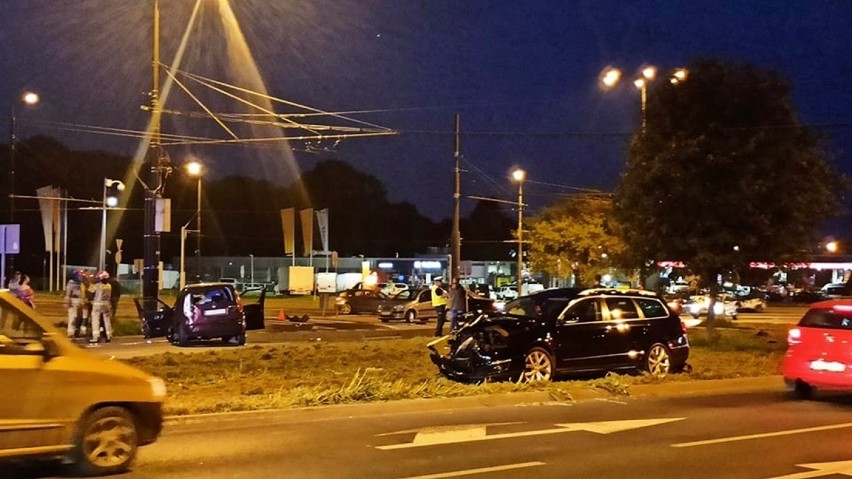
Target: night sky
(522,75)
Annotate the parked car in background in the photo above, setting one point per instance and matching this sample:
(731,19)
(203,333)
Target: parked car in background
(833,290)
(507,292)
(359,301)
(205,311)
(392,289)
(394,307)
(819,352)
(699,305)
(64,402)
(597,331)
(419,307)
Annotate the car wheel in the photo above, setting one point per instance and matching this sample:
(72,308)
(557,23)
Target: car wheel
(182,337)
(658,363)
(802,390)
(241,339)
(538,366)
(410,316)
(384,320)
(106,442)
(227,339)
(345,308)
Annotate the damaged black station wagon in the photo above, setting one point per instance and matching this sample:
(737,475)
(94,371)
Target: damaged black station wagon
(596,330)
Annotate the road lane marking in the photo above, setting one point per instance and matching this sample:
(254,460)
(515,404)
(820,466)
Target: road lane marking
(764,435)
(481,470)
(476,433)
(820,469)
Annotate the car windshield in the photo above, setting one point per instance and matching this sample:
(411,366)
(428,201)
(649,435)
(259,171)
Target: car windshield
(827,318)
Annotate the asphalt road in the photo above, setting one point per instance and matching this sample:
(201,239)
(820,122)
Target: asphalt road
(724,435)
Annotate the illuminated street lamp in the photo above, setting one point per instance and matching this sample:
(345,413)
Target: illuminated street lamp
(28,98)
(519,175)
(611,76)
(832,246)
(110,200)
(193,169)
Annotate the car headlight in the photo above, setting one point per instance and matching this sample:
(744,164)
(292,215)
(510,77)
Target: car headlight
(398,307)
(158,387)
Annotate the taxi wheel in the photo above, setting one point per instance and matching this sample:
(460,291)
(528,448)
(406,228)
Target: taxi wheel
(106,442)
(538,366)
(345,308)
(658,362)
(410,316)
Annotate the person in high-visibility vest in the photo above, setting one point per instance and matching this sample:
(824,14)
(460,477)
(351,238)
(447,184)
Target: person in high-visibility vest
(101,308)
(440,299)
(75,303)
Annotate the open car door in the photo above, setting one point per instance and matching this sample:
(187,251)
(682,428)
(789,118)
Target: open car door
(155,324)
(254,312)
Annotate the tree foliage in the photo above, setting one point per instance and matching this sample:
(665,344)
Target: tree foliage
(576,235)
(724,173)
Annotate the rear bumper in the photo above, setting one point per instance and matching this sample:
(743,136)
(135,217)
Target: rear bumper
(215,330)
(799,370)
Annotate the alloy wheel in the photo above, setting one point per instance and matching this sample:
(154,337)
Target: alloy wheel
(538,366)
(658,362)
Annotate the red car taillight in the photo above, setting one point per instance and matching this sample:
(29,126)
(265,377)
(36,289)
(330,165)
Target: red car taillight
(794,336)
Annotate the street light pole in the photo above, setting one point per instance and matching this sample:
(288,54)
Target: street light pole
(193,168)
(519,176)
(28,98)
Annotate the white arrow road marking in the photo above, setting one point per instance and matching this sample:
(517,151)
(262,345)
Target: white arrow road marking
(483,470)
(764,435)
(479,433)
(821,469)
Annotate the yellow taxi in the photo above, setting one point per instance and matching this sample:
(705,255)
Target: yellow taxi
(59,400)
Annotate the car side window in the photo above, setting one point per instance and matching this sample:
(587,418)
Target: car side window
(584,311)
(425,296)
(16,327)
(621,308)
(652,308)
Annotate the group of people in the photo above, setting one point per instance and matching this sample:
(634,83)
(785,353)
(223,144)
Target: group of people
(20,287)
(91,302)
(450,302)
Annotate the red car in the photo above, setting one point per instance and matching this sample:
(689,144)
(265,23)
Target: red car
(819,355)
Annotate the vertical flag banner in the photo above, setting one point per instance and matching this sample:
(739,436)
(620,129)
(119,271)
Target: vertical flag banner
(307,217)
(322,222)
(288,224)
(46,205)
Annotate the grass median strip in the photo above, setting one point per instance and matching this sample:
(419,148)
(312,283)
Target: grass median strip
(318,373)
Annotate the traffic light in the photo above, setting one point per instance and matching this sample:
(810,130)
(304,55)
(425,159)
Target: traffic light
(112,189)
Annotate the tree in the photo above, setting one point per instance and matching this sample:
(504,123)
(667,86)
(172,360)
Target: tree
(577,235)
(724,173)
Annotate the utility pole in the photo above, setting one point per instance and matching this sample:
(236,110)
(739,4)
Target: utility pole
(157,167)
(455,271)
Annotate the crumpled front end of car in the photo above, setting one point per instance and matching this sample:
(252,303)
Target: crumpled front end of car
(476,355)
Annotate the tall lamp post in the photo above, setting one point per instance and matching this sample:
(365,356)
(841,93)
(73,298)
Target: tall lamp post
(611,77)
(519,175)
(109,201)
(28,98)
(193,169)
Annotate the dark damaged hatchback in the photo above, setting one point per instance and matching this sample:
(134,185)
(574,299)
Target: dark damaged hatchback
(597,331)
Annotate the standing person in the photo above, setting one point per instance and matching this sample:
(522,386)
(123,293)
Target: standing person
(100,308)
(24,291)
(458,303)
(75,298)
(439,302)
(14,283)
(115,296)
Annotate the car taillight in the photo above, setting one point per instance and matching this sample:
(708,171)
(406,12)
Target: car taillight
(239,304)
(794,336)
